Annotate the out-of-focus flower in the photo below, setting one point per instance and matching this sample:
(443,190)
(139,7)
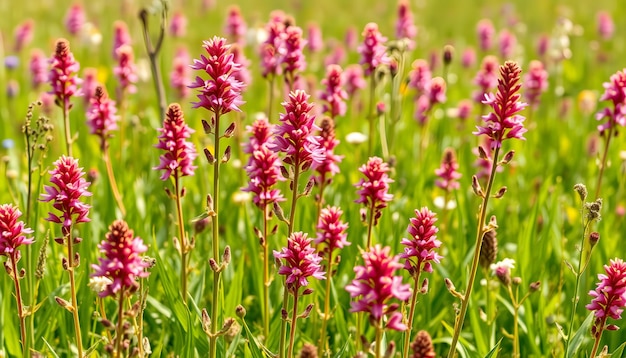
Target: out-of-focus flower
(419,253)
(38,68)
(372,50)
(122,263)
(68,186)
(373,190)
(89,84)
(179,153)
(315,41)
(180,76)
(12,232)
(485,33)
(101,116)
(535,82)
(486,78)
(293,61)
(327,167)
(13,88)
(543,45)
(606,28)
(23,34)
(221,92)
(178,25)
(62,76)
(11,62)
(75,19)
(235,27)
(243,75)
(587,102)
(375,285)
(337,55)
(126,71)
(468,58)
(502,270)
(355,138)
(464,109)
(420,76)
(301,262)
(121,37)
(334,95)
(507,42)
(448,172)
(422,346)
(354,79)
(405,27)
(504,122)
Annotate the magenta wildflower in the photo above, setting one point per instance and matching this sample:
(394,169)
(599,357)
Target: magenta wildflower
(235,27)
(315,42)
(23,34)
(535,82)
(354,79)
(125,71)
(293,61)
(75,19)
(614,91)
(373,49)
(272,49)
(420,76)
(419,252)
(609,298)
(180,76)
(121,37)
(331,231)
(243,75)
(486,77)
(260,133)
(38,68)
(376,284)
(294,136)
(12,232)
(301,262)
(101,116)
(502,270)
(606,28)
(178,25)
(543,45)
(221,92)
(68,186)
(351,38)
(422,107)
(337,55)
(327,167)
(504,122)
(122,262)
(373,189)
(89,84)
(334,95)
(448,172)
(62,76)
(468,58)
(507,42)
(437,91)
(179,153)
(405,27)
(464,109)
(485,32)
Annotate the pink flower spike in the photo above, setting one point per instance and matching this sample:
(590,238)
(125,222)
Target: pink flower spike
(315,42)
(535,82)
(179,153)
(420,76)
(101,116)
(507,42)
(301,262)
(23,34)
(373,50)
(235,27)
(12,232)
(448,172)
(125,72)
(614,91)
(606,27)
(334,95)
(180,76)
(68,186)
(327,168)
(75,19)
(373,189)
(419,252)
(485,32)
(354,79)
(609,298)
(260,133)
(468,58)
(38,68)
(376,284)
(220,93)
(293,61)
(405,27)
(121,37)
(331,231)
(178,25)
(504,122)
(89,84)
(486,78)
(122,262)
(62,75)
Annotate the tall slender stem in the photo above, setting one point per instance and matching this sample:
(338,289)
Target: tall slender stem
(294,320)
(216,239)
(407,333)
(70,270)
(603,165)
(598,337)
(271,100)
(182,238)
(66,126)
(370,115)
(321,347)
(379,335)
(113,182)
(266,278)
(370,226)
(153,53)
(516,305)
(460,319)
(120,325)
(20,307)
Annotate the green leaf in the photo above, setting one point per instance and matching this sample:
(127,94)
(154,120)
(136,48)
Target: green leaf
(255,346)
(493,353)
(619,352)
(579,336)
(54,354)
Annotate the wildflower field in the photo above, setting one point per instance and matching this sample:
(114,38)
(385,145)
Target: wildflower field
(322,178)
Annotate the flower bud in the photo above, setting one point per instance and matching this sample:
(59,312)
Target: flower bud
(240,311)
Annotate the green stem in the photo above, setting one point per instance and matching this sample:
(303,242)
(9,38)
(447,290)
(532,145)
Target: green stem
(407,333)
(283,324)
(371,116)
(266,278)
(216,240)
(20,307)
(604,157)
(271,100)
(598,337)
(183,239)
(460,319)
(113,182)
(379,336)
(516,305)
(370,225)
(70,269)
(120,325)
(294,321)
(153,53)
(322,345)
(66,125)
